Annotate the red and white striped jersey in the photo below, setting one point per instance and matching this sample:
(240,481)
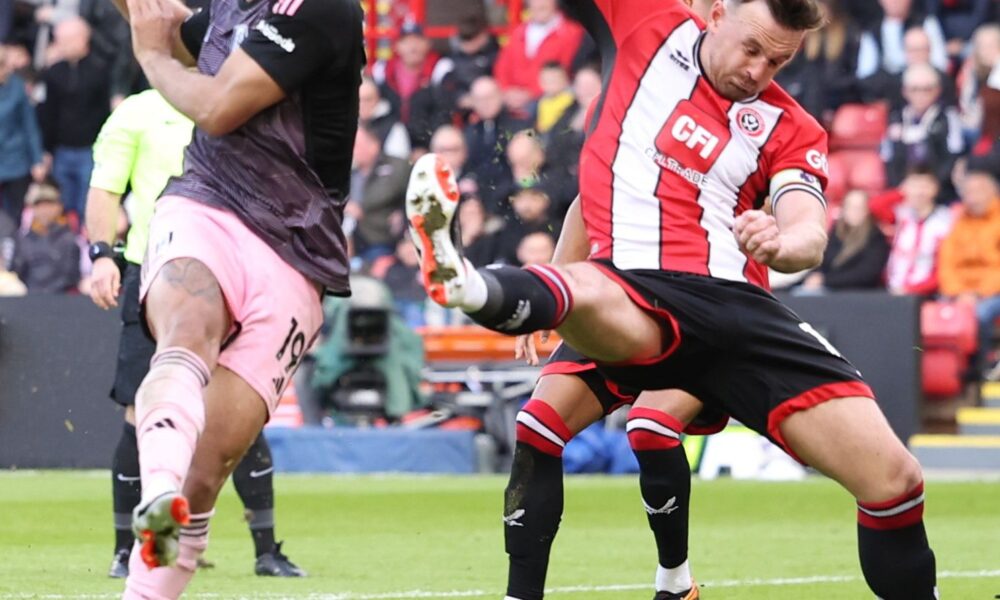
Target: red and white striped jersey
(670,163)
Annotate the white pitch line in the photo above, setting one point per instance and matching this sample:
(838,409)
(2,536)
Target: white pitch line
(577,589)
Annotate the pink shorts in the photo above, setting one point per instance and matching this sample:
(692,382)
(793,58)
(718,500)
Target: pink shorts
(277,312)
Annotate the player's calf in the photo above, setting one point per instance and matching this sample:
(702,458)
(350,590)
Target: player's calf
(665,485)
(533,500)
(896,557)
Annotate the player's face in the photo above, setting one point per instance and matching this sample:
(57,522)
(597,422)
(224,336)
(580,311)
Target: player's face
(746,48)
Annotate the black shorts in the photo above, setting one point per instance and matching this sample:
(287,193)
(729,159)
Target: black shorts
(735,347)
(135,347)
(567,361)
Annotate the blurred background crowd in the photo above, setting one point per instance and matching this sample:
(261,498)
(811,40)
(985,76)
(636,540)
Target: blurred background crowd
(909,90)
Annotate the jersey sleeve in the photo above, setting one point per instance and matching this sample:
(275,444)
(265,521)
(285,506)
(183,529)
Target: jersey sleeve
(299,37)
(800,162)
(194,29)
(116,147)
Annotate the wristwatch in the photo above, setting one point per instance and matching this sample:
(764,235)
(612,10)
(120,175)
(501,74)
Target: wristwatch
(100,250)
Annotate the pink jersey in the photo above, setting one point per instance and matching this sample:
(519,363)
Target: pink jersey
(671,163)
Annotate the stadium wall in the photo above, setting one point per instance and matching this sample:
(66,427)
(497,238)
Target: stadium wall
(57,358)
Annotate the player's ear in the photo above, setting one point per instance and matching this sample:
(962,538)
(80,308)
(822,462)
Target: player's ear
(716,14)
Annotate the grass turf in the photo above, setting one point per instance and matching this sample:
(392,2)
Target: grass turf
(394,537)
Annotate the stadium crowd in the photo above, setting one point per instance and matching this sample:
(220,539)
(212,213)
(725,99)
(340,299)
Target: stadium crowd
(910,90)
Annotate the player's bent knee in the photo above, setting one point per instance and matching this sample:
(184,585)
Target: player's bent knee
(540,427)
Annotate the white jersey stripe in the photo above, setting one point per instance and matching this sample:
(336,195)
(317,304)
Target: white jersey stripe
(635,207)
(720,196)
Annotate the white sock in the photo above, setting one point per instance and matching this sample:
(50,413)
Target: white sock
(674,580)
(474,298)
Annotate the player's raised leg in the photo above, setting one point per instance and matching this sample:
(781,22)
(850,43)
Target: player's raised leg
(188,316)
(850,440)
(234,415)
(591,312)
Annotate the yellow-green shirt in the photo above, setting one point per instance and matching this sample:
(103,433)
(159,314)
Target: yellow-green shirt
(142,144)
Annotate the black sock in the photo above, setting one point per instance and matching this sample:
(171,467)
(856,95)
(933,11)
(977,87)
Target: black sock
(254,483)
(126,489)
(521,301)
(533,500)
(664,481)
(896,558)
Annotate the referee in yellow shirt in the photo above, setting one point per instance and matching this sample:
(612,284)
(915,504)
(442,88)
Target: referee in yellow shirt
(140,147)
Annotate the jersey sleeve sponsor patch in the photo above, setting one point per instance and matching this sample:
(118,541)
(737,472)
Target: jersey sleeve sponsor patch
(297,38)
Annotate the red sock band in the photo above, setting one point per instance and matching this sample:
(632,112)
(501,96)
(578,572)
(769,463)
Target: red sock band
(650,429)
(541,427)
(557,285)
(897,513)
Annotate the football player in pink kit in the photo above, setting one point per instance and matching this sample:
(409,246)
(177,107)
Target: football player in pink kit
(241,247)
(691,137)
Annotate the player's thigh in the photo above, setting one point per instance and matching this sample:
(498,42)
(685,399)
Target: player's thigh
(850,440)
(234,416)
(185,307)
(605,323)
(571,398)
(677,403)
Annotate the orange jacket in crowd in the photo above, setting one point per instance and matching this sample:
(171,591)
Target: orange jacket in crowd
(970,255)
(514,68)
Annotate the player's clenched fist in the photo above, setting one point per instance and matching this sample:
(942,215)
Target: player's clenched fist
(758,236)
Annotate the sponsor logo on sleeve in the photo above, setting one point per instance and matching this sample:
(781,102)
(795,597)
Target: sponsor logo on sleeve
(818,161)
(271,32)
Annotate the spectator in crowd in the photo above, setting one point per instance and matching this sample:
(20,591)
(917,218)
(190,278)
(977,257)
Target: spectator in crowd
(881,46)
(979,90)
(529,168)
(546,36)
(921,226)
(970,255)
(531,214)
(856,255)
(822,76)
(472,54)
(924,131)
(557,97)
(565,140)
(109,31)
(412,68)
(376,113)
(402,275)
(20,141)
(47,256)
(449,143)
(487,135)
(378,189)
(889,86)
(959,18)
(477,244)
(8,238)
(536,248)
(77,102)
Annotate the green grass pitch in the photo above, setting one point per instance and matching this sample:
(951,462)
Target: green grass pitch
(371,538)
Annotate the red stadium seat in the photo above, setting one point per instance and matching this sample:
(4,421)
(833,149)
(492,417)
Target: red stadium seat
(859,126)
(855,170)
(942,372)
(949,325)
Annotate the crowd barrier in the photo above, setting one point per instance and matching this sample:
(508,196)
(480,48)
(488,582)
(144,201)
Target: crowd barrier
(57,358)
